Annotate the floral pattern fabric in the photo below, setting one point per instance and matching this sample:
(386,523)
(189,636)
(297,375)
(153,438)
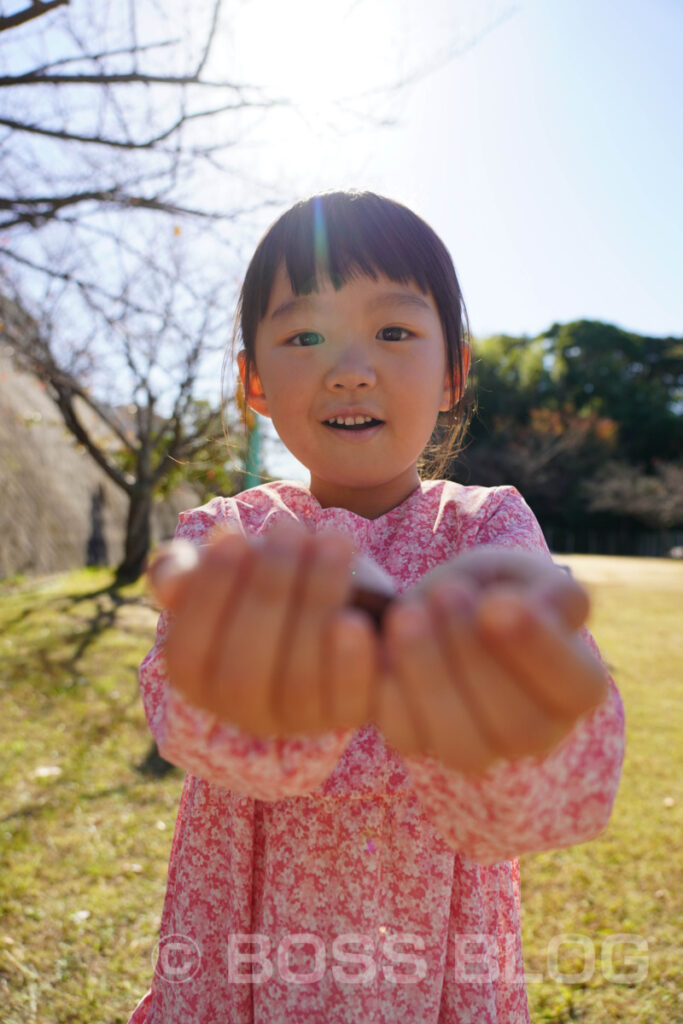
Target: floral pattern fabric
(327,878)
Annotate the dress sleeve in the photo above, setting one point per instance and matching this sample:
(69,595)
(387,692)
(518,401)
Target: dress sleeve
(531,803)
(217,751)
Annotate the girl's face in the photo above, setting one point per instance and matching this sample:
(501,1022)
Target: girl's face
(373,350)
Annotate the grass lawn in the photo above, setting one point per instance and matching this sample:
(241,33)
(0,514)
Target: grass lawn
(85,836)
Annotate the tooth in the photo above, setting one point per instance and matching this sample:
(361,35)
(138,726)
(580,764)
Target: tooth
(349,421)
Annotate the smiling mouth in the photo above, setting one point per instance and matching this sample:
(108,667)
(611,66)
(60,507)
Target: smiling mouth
(352,423)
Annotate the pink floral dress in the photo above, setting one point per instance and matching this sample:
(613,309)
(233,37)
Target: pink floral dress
(328,879)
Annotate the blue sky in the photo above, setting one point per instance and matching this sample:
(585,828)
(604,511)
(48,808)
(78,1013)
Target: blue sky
(559,189)
(547,152)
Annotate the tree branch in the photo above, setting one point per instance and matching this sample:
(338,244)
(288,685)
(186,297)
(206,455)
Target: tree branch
(36,10)
(44,208)
(209,38)
(122,78)
(95,57)
(83,286)
(149,143)
(64,401)
(106,419)
(180,446)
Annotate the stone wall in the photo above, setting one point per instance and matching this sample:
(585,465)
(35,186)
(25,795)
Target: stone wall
(58,509)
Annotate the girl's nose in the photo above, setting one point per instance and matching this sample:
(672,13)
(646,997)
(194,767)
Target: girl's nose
(351,370)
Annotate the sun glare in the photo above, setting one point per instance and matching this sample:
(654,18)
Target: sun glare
(315,53)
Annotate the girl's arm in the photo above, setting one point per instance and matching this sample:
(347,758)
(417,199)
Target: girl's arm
(529,803)
(197,741)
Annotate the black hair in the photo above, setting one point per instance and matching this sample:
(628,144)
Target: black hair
(341,235)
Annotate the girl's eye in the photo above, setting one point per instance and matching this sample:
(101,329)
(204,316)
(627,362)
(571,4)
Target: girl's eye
(305,338)
(394,333)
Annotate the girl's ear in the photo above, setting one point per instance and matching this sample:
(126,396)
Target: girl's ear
(460,380)
(256,398)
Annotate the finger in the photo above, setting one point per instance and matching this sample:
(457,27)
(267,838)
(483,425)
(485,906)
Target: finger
(555,667)
(390,713)
(351,652)
(512,721)
(168,570)
(566,598)
(489,566)
(249,648)
(442,718)
(207,592)
(323,585)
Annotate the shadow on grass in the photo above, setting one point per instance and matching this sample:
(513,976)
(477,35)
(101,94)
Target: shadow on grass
(57,661)
(109,599)
(104,618)
(60,792)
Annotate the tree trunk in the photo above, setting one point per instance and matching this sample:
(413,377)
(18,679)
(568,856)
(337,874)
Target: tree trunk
(138,532)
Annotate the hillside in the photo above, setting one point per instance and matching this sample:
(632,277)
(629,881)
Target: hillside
(52,494)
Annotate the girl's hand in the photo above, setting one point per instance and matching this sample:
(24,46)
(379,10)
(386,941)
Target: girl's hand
(260,634)
(482,661)
(488,568)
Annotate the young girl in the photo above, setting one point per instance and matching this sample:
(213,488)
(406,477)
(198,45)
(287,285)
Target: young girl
(357,797)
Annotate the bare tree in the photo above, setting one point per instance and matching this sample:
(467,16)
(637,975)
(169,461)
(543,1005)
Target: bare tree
(118,204)
(117,201)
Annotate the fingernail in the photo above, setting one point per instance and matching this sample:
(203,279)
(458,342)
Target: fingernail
(177,556)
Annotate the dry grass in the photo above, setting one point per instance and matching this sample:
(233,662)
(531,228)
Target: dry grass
(85,838)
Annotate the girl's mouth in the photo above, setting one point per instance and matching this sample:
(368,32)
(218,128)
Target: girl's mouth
(356,423)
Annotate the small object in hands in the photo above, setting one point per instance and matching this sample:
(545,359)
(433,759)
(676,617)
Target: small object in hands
(373,588)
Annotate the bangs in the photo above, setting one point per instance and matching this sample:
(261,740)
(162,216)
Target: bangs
(339,236)
(341,240)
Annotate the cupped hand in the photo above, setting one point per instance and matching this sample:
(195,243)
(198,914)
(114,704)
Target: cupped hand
(488,568)
(260,633)
(482,661)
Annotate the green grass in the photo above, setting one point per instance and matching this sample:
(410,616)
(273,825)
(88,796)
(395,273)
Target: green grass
(628,881)
(85,837)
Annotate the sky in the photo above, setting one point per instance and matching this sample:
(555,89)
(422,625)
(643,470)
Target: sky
(541,139)
(546,153)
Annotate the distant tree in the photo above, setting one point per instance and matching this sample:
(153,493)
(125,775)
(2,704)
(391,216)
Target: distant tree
(563,414)
(546,457)
(654,499)
(143,451)
(113,288)
(635,380)
(511,378)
